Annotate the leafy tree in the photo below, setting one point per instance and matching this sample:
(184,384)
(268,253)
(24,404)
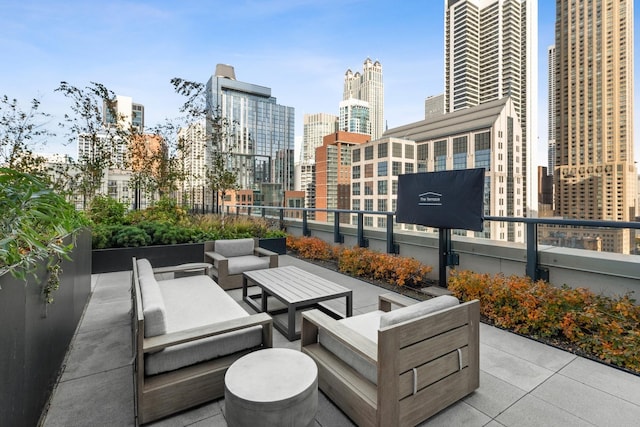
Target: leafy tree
(20,130)
(102,145)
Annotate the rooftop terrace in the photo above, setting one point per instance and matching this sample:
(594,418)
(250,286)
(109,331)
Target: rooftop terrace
(522,382)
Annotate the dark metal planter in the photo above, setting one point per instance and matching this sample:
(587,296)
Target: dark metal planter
(34,336)
(274,244)
(119,259)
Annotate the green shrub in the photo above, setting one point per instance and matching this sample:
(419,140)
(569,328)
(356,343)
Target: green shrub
(130,236)
(102,236)
(106,211)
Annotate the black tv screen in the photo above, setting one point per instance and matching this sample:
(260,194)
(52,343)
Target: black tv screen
(448,199)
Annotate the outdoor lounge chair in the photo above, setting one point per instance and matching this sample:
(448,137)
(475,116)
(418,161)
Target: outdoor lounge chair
(399,367)
(232,257)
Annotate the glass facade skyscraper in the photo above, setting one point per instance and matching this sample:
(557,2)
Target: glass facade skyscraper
(263,141)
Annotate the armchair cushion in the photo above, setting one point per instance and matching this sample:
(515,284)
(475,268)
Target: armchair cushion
(234,247)
(367,326)
(239,264)
(416,310)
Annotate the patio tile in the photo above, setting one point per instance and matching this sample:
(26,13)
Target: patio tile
(511,369)
(329,414)
(458,414)
(605,378)
(538,353)
(209,414)
(102,399)
(494,395)
(99,351)
(106,315)
(533,412)
(588,403)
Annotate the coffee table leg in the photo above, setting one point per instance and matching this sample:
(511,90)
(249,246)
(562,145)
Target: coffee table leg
(291,330)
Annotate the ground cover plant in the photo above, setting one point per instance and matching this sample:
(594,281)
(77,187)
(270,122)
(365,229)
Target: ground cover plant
(607,328)
(362,262)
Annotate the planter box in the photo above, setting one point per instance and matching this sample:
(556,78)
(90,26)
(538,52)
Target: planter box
(119,259)
(35,336)
(274,244)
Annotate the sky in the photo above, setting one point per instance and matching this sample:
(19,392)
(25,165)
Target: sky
(300,49)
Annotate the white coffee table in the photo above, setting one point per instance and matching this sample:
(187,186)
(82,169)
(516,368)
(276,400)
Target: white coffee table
(271,387)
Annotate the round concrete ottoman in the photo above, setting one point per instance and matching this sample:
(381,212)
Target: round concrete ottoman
(272,387)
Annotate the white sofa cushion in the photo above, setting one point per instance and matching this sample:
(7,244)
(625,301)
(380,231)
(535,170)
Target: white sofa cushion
(198,301)
(242,263)
(234,247)
(365,325)
(153,307)
(416,310)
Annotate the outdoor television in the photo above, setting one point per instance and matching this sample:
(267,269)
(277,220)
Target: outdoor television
(448,199)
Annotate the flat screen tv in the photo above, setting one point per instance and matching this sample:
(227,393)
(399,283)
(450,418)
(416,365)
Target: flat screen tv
(448,199)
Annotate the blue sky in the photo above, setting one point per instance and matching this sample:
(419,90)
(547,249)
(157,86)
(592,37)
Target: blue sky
(300,49)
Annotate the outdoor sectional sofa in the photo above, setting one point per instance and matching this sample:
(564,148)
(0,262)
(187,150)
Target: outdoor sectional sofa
(232,257)
(187,333)
(396,367)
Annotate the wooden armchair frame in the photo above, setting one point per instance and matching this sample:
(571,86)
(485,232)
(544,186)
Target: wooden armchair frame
(163,394)
(423,365)
(220,267)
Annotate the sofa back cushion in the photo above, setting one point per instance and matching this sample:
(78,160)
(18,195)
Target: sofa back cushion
(234,247)
(416,310)
(153,308)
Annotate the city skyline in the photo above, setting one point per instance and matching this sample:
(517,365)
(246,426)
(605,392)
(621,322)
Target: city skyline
(300,50)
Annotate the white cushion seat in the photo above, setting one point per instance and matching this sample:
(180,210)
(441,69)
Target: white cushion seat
(239,264)
(196,301)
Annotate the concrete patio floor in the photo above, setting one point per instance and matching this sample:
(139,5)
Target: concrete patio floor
(522,382)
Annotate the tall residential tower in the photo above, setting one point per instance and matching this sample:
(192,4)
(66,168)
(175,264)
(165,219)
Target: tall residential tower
(490,53)
(595,175)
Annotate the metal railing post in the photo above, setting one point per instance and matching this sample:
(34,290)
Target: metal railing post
(533,270)
(337,237)
(392,248)
(281,218)
(305,225)
(362,242)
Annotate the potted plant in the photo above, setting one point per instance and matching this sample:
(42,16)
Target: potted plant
(275,241)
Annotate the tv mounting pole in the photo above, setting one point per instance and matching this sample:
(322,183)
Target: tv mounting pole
(447,256)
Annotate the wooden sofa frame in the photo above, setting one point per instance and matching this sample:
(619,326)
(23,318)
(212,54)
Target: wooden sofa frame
(160,395)
(220,267)
(423,365)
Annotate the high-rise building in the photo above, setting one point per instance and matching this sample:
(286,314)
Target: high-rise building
(551,148)
(355,116)
(434,106)
(367,87)
(595,175)
(193,155)
(316,127)
(491,53)
(333,173)
(126,111)
(263,141)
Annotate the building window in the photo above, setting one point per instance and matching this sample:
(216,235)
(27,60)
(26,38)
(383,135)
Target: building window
(368,170)
(368,204)
(368,152)
(382,205)
(397,149)
(383,150)
(423,152)
(396,168)
(382,187)
(440,154)
(408,168)
(368,188)
(460,152)
(408,151)
(394,187)
(355,155)
(382,169)
(355,204)
(355,172)
(355,189)
(382,222)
